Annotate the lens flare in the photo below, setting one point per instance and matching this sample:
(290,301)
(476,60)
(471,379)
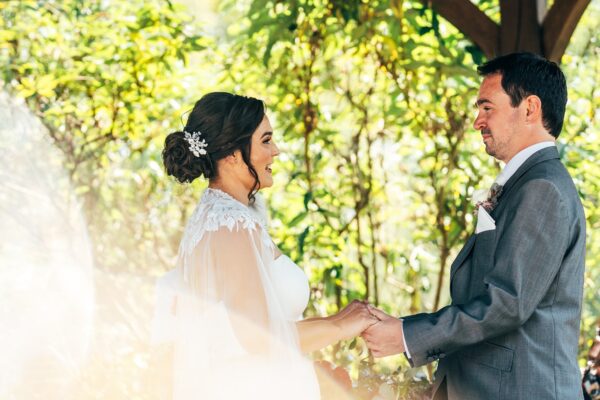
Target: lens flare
(46,312)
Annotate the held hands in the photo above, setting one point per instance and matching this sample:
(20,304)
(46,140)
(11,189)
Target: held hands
(382,333)
(354,319)
(385,337)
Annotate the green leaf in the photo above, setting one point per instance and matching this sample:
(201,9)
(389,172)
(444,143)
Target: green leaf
(273,39)
(307,198)
(476,53)
(298,218)
(352,344)
(424,29)
(301,240)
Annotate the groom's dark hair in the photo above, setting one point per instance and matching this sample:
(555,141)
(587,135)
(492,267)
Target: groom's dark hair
(525,74)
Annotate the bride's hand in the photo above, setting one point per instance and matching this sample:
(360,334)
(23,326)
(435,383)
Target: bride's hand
(354,319)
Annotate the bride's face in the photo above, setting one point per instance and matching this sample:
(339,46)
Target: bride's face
(263,152)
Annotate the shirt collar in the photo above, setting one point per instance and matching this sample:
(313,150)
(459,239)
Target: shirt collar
(513,165)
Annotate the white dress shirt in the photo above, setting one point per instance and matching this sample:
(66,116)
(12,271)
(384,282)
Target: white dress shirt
(513,165)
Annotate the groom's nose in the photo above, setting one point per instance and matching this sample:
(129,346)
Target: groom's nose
(479,122)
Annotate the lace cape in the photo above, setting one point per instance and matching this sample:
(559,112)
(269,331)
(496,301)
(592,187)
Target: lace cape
(220,310)
(218,210)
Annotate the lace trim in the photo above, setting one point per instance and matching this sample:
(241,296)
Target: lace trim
(215,210)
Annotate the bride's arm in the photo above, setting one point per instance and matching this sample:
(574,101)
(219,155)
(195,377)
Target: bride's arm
(236,264)
(319,332)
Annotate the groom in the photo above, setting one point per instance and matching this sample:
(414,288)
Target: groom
(511,331)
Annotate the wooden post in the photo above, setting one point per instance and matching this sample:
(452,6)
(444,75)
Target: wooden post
(559,25)
(471,21)
(526,25)
(520,30)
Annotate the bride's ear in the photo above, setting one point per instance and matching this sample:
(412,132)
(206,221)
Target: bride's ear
(234,158)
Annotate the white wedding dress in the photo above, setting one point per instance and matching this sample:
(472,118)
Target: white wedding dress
(230,307)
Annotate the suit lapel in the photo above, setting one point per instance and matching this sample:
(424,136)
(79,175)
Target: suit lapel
(542,155)
(548,153)
(462,256)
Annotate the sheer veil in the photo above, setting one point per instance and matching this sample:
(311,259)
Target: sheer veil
(220,311)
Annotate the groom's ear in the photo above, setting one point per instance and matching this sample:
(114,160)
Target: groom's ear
(533,106)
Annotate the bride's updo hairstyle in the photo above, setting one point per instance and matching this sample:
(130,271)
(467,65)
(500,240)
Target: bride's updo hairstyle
(226,123)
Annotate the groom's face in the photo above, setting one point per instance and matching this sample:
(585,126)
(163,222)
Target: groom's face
(497,120)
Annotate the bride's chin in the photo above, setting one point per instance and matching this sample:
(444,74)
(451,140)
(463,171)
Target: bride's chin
(266,183)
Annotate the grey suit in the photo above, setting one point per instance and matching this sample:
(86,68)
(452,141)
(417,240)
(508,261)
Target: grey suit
(511,331)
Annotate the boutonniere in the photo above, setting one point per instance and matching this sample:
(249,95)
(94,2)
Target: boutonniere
(488,199)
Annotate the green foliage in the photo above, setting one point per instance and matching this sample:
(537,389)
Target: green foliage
(105,77)
(347,84)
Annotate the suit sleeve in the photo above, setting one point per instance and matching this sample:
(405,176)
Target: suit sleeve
(528,257)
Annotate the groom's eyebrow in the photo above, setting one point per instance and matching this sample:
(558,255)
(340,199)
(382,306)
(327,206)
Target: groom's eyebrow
(481,101)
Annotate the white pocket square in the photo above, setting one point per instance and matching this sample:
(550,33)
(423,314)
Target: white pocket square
(484,221)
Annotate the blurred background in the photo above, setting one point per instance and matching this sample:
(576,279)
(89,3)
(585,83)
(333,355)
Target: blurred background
(372,107)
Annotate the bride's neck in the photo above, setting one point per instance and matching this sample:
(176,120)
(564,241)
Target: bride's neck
(234,189)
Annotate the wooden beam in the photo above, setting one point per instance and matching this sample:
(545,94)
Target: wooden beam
(472,22)
(520,29)
(559,25)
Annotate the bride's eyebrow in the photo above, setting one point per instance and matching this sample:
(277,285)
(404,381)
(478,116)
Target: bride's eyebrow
(268,133)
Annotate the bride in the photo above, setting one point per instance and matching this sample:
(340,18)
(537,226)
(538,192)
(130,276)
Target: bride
(232,308)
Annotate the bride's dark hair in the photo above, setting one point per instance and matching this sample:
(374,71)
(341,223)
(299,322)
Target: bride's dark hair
(226,122)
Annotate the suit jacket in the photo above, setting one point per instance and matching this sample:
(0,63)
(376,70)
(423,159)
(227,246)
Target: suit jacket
(512,329)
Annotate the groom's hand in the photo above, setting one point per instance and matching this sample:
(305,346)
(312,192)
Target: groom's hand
(385,337)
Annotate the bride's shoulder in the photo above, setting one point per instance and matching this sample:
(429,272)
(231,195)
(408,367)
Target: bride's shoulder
(217,210)
(220,214)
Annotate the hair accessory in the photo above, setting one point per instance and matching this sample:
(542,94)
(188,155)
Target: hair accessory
(197,145)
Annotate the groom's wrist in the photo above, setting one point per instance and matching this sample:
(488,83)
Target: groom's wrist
(406,351)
